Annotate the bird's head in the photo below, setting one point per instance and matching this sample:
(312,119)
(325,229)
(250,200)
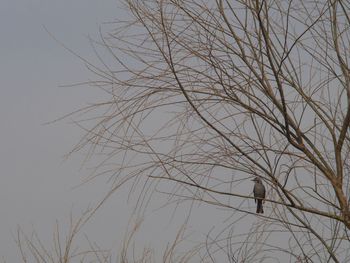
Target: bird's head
(257,179)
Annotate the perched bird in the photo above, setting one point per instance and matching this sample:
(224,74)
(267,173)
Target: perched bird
(259,194)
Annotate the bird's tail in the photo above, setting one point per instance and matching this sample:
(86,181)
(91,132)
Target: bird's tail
(259,207)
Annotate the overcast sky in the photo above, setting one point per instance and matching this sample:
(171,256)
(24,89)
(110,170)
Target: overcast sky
(36,186)
(37,183)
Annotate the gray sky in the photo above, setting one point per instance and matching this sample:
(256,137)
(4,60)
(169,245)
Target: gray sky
(36,185)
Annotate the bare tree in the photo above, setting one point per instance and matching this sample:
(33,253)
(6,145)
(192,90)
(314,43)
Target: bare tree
(205,95)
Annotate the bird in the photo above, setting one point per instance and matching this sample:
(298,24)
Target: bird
(259,194)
